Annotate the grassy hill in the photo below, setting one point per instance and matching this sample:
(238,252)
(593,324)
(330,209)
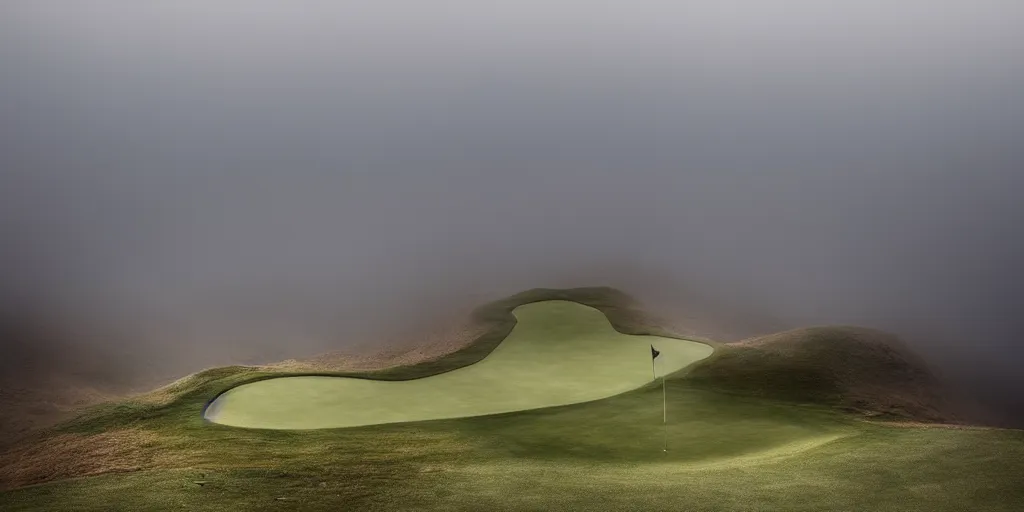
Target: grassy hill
(859,370)
(736,441)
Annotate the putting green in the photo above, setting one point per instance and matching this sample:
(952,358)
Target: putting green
(559,353)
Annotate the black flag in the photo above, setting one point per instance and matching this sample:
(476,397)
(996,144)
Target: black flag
(654,353)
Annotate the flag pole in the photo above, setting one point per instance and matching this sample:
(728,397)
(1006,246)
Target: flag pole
(664,415)
(664,403)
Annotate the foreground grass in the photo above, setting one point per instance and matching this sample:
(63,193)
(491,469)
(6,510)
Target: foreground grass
(726,451)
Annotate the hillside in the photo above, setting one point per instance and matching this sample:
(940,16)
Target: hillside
(760,425)
(859,370)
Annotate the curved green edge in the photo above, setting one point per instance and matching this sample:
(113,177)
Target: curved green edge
(558,353)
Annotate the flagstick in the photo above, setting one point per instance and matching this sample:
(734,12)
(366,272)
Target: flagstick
(664,414)
(664,402)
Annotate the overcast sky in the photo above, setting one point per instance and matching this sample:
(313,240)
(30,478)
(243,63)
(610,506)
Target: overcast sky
(329,163)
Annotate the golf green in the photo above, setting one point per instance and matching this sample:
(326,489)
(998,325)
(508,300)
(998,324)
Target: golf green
(559,353)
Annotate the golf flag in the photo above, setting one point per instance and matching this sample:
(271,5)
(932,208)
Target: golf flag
(664,403)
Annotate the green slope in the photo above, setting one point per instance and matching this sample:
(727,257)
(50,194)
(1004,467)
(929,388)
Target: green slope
(558,353)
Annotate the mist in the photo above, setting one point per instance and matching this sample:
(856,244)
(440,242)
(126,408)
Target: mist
(195,183)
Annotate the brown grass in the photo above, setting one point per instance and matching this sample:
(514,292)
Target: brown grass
(77,455)
(45,403)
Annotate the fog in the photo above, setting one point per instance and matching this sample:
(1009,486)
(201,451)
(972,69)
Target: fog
(193,183)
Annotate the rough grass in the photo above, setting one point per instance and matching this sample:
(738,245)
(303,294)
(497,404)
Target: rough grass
(726,451)
(861,370)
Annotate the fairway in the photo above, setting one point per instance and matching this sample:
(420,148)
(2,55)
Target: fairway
(559,353)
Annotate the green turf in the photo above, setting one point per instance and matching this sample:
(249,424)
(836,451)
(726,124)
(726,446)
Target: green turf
(726,452)
(559,353)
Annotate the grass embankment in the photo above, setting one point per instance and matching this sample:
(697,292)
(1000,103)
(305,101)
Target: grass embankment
(726,451)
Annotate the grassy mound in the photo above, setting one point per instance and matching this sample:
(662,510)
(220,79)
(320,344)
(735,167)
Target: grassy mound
(558,353)
(860,370)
